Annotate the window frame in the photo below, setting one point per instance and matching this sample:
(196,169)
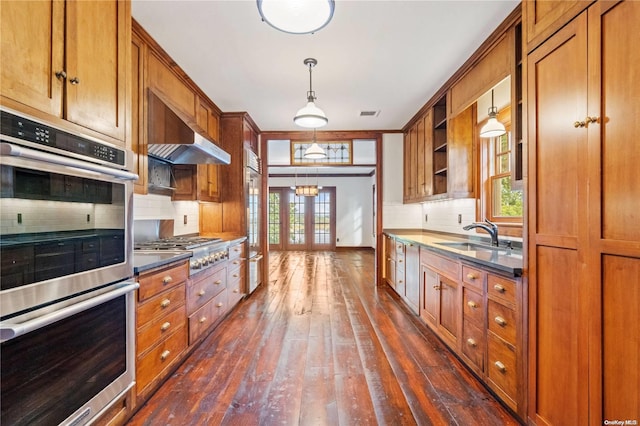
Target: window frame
(509,226)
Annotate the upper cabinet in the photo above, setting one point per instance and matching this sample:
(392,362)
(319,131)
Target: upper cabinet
(544,18)
(440,142)
(80,76)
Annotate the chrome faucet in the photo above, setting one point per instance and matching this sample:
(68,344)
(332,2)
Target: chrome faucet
(488,226)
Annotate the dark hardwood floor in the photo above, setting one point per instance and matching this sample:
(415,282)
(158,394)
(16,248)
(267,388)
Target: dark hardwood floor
(320,344)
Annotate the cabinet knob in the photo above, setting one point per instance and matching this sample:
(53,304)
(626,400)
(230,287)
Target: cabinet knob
(235,275)
(219,305)
(436,287)
(164,355)
(471,342)
(578,124)
(167,279)
(201,293)
(399,281)
(165,303)
(500,288)
(500,321)
(400,261)
(61,74)
(75,81)
(203,319)
(500,366)
(471,276)
(165,326)
(236,290)
(472,304)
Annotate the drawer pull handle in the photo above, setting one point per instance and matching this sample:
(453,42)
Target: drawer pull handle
(472,304)
(203,319)
(471,342)
(400,261)
(500,321)
(165,303)
(218,282)
(235,275)
(219,305)
(500,366)
(74,81)
(165,326)
(399,281)
(471,276)
(164,355)
(436,287)
(201,293)
(499,288)
(236,290)
(167,279)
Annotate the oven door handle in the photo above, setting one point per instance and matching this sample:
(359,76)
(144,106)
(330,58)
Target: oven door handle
(10,330)
(22,152)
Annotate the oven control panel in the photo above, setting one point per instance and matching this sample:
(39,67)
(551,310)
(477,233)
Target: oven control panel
(39,135)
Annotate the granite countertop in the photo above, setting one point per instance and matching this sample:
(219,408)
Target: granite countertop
(144,260)
(503,259)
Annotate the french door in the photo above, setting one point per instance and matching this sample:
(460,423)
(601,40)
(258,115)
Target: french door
(302,223)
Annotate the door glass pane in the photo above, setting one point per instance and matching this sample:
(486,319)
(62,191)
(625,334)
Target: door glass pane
(274,218)
(296,219)
(322,219)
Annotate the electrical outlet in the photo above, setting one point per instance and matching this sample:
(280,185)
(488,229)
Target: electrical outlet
(459,218)
(19,218)
(184,219)
(426,218)
(88,218)
(337,240)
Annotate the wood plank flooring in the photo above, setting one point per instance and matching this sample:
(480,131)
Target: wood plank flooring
(320,344)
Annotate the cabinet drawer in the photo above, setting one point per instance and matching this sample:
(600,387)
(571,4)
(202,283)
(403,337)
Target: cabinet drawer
(158,281)
(473,276)
(473,344)
(473,306)
(446,266)
(502,321)
(202,290)
(155,361)
(236,251)
(206,316)
(399,248)
(501,367)
(235,264)
(159,328)
(160,305)
(501,288)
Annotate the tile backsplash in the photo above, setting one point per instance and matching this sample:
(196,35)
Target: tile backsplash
(160,207)
(443,215)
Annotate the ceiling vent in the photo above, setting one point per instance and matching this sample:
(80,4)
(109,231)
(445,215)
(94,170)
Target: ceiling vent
(370,113)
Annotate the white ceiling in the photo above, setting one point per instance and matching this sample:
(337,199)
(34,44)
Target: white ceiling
(390,56)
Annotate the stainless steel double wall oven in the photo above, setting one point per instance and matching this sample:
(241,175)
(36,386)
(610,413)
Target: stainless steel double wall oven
(66,289)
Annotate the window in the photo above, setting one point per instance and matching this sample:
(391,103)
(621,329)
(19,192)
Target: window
(500,202)
(339,153)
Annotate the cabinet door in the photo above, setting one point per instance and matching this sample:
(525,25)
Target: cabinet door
(427,157)
(32,51)
(186,184)
(97,49)
(448,316)
(544,17)
(410,164)
(461,154)
(208,182)
(430,296)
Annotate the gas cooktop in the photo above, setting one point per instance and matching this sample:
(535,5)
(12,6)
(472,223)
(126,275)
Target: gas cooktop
(176,243)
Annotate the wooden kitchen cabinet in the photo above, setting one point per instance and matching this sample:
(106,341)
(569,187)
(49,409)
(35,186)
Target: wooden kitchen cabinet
(68,60)
(390,260)
(206,300)
(418,160)
(236,273)
(412,277)
(441,296)
(462,154)
(161,328)
(584,258)
(400,269)
(138,139)
(545,17)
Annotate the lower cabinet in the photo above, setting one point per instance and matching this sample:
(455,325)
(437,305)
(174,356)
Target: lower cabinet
(161,336)
(402,270)
(477,312)
(206,300)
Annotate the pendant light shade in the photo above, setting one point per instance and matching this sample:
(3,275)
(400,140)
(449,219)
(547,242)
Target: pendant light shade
(315,152)
(310,116)
(493,127)
(296,16)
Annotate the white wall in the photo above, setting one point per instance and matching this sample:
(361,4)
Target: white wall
(396,215)
(354,207)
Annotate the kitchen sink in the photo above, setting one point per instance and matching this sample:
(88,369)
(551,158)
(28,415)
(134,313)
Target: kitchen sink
(470,246)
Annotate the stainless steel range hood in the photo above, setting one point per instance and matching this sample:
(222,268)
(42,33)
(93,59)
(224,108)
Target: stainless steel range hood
(172,140)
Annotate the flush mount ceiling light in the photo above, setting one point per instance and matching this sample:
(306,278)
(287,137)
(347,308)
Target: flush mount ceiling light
(493,127)
(296,16)
(310,116)
(315,152)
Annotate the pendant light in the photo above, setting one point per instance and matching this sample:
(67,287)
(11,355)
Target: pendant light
(296,16)
(493,127)
(314,152)
(310,116)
